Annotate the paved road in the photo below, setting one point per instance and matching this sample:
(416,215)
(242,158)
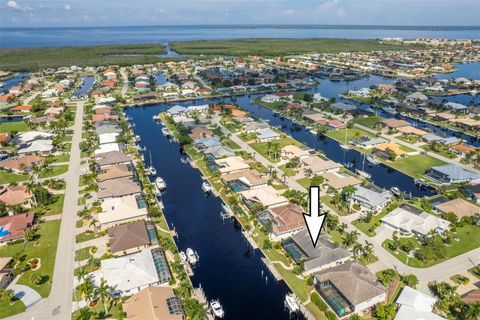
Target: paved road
(125,82)
(59,303)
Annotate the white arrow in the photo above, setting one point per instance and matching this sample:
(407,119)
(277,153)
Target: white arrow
(314,220)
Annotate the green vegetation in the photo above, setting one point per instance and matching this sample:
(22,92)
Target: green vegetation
(9,177)
(353,133)
(416,165)
(32,59)
(13,126)
(54,171)
(85,236)
(7,309)
(44,248)
(271,150)
(369,122)
(83,254)
(280,47)
(56,207)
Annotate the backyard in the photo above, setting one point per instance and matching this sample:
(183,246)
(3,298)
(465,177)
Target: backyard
(416,165)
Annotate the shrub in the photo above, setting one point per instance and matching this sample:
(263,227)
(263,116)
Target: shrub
(330,315)
(319,302)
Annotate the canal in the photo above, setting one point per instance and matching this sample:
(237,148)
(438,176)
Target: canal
(87,85)
(229,268)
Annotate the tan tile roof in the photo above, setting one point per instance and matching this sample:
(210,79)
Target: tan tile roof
(127,236)
(150,303)
(24,162)
(114,172)
(395,123)
(251,176)
(472,296)
(338,181)
(461,208)
(15,195)
(200,133)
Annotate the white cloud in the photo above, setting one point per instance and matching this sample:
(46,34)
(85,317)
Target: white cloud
(67,7)
(14,5)
(288,12)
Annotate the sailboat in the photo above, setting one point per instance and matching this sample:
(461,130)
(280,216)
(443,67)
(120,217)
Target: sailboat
(362,172)
(151,170)
(345,146)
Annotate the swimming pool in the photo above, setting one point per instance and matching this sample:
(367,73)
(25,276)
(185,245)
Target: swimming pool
(4,232)
(293,250)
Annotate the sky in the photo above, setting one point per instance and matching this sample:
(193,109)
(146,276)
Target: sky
(78,13)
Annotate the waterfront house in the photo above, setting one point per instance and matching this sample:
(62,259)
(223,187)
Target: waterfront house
(317,97)
(371,197)
(104,117)
(451,173)
(455,106)
(108,147)
(130,274)
(270,98)
(472,191)
(408,219)
(283,221)
(267,134)
(128,238)
(107,138)
(463,149)
(292,151)
(115,172)
(16,195)
(319,165)
(416,97)
(349,288)
(394,123)
(204,143)
(21,164)
(389,150)
(121,210)
(415,305)
(412,130)
(339,180)
(159,303)
(369,142)
(176,111)
(467,123)
(14,227)
(323,256)
(344,107)
(22,108)
(218,152)
(336,124)
(314,117)
(102,128)
(244,180)
(7,274)
(118,188)
(104,160)
(231,164)
(460,207)
(200,132)
(267,196)
(37,146)
(254,126)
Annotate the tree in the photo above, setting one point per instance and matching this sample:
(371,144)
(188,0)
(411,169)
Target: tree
(267,244)
(8,295)
(387,276)
(317,180)
(103,291)
(410,280)
(29,235)
(472,311)
(385,311)
(85,314)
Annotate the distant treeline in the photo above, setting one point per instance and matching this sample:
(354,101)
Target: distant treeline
(32,59)
(279,46)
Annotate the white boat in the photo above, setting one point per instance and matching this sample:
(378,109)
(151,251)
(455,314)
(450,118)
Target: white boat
(185,160)
(207,188)
(192,256)
(364,174)
(372,159)
(291,303)
(396,191)
(156,117)
(152,171)
(157,191)
(390,110)
(183,256)
(165,131)
(137,137)
(160,183)
(217,309)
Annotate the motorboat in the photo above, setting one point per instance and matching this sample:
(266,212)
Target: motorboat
(160,183)
(372,160)
(165,131)
(396,191)
(389,110)
(184,160)
(206,187)
(152,170)
(192,256)
(291,303)
(364,174)
(217,309)
(156,117)
(137,137)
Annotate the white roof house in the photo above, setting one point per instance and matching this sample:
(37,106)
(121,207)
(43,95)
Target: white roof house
(40,146)
(108,137)
(176,110)
(200,108)
(231,164)
(29,136)
(128,274)
(106,100)
(107,147)
(121,210)
(267,196)
(317,97)
(422,223)
(415,305)
(269,98)
(267,134)
(372,198)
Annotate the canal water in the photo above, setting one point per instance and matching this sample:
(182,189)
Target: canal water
(229,268)
(13,81)
(85,88)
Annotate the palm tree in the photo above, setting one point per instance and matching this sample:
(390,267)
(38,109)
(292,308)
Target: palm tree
(367,249)
(104,292)
(472,312)
(357,248)
(32,187)
(85,314)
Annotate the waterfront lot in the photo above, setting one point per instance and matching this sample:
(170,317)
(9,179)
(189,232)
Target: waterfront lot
(416,165)
(263,147)
(369,122)
(13,126)
(353,133)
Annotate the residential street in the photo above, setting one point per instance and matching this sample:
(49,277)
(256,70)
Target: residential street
(59,303)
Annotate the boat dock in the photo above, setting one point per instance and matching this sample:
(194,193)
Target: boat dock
(250,240)
(272,269)
(188,268)
(200,295)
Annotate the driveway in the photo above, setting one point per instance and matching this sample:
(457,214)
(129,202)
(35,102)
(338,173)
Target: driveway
(26,294)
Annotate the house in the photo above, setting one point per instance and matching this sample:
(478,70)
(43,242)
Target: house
(371,197)
(7,274)
(107,147)
(463,149)
(317,97)
(205,143)
(461,208)
(244,180)
(267,134)
(467,123)
(270,98)
(282,221)
(231,164)
(386,150)
(14,227)
(5,137)
(54,111)
(22,108)
(105,138)
(416,97)
(292,151)
(30,136)
(104,160)
(415,305)
(121,210)
(319,165)
(37,146)
(218,152)
(267,196)
(339,180)
(345,107)
(349,287)
(314,117)
(115,172)
(451,173)
(15,195)
(130,274)
(336,124)
(408,219)
(394,123)
(176,111)
(128,238)
(369,142)
(200,132)
(472,191)
(412,130)
(156,303)
(107,128)
(324,255)
(472,296)
(254,126)
(21,164)
(455,106)
(104,117)
(118,188)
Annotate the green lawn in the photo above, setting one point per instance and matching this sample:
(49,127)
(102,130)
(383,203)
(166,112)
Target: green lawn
(82,254)
(288,171)
(369,228)
(12,126)
(327,200)
(61,158)
(114,312)
(44,248)
(7,310)
(232,144)
(369,122)
(353,133)
(469,239)
(56,207)
(55,171)
(304,182)
(9,177)
(262,147)
(416,165)
(446,152)
(85,236)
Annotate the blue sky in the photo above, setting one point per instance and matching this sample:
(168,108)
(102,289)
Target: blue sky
(37,13)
